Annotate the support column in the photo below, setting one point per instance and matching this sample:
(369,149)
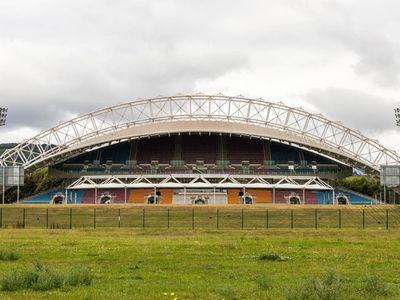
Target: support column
(95,195)
(304,196)
(184,194)
(4,182)
(18,185)
(333,197)
(384,194)
(125,195)
(273,195)
(66,195)
(214,194)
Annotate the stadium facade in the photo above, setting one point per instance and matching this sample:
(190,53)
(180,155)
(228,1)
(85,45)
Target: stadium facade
(201,149)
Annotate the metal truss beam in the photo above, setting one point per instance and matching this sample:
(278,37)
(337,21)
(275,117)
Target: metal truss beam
(199,181)
(293,125)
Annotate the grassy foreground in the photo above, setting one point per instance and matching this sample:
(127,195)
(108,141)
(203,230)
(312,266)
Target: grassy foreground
(146,264)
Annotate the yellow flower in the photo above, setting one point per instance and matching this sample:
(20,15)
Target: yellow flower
(172,294)
(165,294)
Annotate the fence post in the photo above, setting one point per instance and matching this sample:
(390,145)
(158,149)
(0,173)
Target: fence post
(217,218)
(70,218)
(94,218)
(340,218)
(192,218)
(23,217)
(363,218)
(242,218)
(387,219)
(266,218)
(119,217)
(1,217)
(168,218)
(291,218)
(316,218)
(143,220)
(47,218)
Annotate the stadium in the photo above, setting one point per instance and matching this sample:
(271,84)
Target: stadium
(202,150)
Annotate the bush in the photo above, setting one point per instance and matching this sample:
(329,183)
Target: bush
(41,278)
(328,287)
(8,255)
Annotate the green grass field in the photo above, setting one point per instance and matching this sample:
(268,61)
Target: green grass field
(129,263)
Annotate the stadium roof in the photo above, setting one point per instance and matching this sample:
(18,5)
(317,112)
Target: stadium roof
(201,113)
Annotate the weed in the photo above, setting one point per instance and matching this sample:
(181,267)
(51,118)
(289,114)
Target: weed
(328,287)
(8,255)
(12,281)
(264,283)
(224,290)
(39,277)
(374,286)
(77,277)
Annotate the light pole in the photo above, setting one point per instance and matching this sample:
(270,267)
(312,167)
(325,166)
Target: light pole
(3,115)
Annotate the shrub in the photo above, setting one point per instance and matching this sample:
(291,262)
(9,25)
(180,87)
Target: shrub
(39,277)
(8,255)
(327,287)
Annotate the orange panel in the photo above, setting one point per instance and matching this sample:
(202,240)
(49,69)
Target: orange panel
(233,196)
(137,195)
(166,196)
(262,196)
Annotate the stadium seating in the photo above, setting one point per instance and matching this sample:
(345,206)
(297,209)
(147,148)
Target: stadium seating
(196,148)
(44,197)
(117,153)
(240,149)
(161,149)
(264,157)
(356,198)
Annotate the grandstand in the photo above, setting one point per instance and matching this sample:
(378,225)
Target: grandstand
(200,149)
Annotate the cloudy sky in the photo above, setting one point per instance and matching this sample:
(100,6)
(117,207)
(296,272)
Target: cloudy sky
(59,58)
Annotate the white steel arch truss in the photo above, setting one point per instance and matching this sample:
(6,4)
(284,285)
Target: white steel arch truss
(199,112)
(199,181)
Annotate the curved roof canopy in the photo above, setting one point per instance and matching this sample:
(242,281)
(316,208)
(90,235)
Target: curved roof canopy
(201,113)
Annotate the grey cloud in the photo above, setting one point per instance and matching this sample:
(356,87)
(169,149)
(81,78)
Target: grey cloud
(135,52)
(361,28)
(355,109)
(60,58)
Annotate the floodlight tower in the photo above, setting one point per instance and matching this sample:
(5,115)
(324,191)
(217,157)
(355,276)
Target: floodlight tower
(3,116)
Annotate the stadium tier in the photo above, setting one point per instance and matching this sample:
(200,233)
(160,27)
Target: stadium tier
(227,154)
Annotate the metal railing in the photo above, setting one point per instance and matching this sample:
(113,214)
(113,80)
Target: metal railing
(209,218)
